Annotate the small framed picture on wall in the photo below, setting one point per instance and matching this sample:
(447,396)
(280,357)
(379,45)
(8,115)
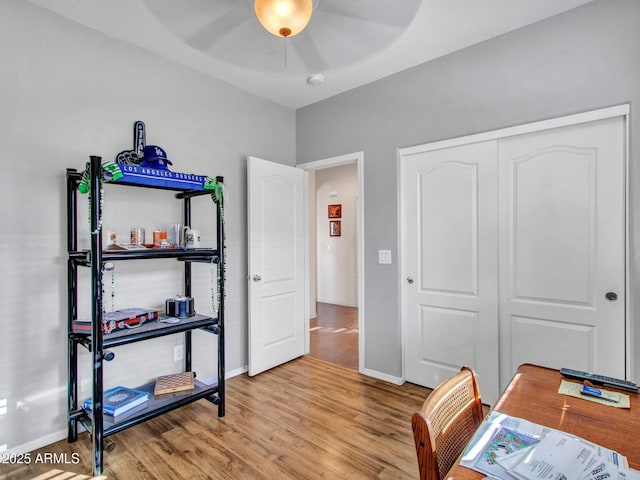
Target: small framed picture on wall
(334,228)
(335,211)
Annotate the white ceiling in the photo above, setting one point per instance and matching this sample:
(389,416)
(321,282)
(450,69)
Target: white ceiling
(350,42)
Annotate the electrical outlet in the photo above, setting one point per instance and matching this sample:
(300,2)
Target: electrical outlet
(178,353)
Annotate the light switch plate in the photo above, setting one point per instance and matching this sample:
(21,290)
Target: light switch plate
(384,257)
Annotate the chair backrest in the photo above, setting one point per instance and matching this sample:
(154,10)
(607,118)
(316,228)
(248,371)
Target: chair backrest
(446,422)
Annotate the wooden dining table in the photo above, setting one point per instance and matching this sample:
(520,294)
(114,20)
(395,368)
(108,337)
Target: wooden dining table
(533,395)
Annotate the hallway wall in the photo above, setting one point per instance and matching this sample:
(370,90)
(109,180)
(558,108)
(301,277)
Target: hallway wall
(336,257)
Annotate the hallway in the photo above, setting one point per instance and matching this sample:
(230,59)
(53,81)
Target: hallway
(334,335)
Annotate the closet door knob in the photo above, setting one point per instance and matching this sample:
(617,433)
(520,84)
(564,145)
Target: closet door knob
(257,278)
(409,280)
(611,296)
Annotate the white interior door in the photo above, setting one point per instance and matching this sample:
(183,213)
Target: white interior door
(277,325)
(449,264)
(562,248)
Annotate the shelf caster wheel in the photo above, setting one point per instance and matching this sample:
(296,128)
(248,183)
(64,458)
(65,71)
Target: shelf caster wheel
(109,445)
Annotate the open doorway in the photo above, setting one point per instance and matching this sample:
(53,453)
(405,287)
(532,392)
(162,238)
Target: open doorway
(334,334)
(334,271)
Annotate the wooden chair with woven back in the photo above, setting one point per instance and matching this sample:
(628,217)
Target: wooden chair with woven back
(446,422)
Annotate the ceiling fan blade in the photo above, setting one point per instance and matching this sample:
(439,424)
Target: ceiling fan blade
(380,11)
(308,52)
(212,32)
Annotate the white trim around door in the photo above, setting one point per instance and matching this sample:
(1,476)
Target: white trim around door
(575,119)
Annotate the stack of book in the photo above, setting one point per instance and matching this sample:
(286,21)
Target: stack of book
(119,400)
(510,448)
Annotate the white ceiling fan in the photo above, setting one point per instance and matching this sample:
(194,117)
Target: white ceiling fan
(351,42)
(340,32)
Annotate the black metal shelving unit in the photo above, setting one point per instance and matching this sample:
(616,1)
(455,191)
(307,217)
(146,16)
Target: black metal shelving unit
(97,343)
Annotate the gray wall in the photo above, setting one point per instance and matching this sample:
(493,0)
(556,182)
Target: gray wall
(581,60)
(67,92)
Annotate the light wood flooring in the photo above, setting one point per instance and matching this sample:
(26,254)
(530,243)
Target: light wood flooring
(307,419)
(334,333)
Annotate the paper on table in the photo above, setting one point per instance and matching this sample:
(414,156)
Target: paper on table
(601,471)
(556,457)
(608,471)
(508,462)
(573,390)
(628,474)
(606,455)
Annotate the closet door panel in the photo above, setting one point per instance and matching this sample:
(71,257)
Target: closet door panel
(562,248)
(449,262)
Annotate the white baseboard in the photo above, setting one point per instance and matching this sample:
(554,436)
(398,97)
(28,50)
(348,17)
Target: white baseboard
(339,304)
(41,442)
(383,376)
(236,372)
(227,375)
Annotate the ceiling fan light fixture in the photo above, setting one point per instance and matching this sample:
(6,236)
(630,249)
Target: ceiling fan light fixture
(283,18)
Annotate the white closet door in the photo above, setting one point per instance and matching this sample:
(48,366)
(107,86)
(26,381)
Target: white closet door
(449,250)
(528,229)
(562,248)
